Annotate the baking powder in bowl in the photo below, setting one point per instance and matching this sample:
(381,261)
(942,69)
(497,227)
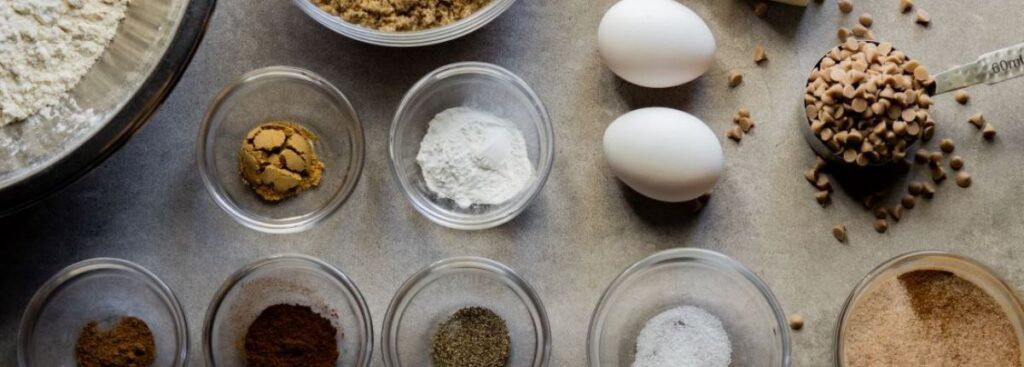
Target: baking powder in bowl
(473,157)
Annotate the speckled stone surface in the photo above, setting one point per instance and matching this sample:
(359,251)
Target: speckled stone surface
(147,203)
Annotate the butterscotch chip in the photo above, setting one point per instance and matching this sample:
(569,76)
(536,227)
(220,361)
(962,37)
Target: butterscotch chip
(760,8)
(866,20)
(760,55)
(935,158)
(915,188)
(929,191)
(956,163)
(735,78)
(962,97)
(845,6)
(796,322)
(735,133)
(881,225)
(923,18)
(978,120)
(906,5)
(822,197)
(938,174)
(922,156)
(839,232)
(963,179)
(908,201)
(860,31)
(277,160)
(989,132)
(947,145)
(843,34)
(823,184)
(896,212)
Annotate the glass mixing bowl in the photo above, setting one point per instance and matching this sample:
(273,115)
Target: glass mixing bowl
(433,294)
(407,39)
(484,87)
(287,279)
(148,55)
(272,94)
(749,312)
(102,290)
(961,266)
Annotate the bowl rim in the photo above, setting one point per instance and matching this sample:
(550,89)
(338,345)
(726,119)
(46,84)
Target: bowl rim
(25,189)
(215,188)
(309,262)
(872,276)
(408,291)
(58,281)
(419,38)
(686,254)
(542,171)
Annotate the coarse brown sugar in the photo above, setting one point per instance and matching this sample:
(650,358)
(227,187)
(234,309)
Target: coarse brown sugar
(401,15)
(925,318)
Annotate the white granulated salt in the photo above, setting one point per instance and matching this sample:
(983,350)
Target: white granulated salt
(47,46)
(473,157)
(684,336)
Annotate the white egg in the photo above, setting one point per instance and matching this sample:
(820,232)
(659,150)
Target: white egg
(655,43)
(665,154)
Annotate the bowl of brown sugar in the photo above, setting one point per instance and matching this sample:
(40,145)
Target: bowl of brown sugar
(931,309)
(404,23)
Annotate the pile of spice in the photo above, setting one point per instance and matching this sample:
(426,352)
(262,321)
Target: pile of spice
(929,318)
(474,158)
(401,15)
(129,343)
(685,336)
(291,336)
(277,160)
(472,337)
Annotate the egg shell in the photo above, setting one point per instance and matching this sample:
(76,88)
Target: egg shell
(655,43)
(663,153)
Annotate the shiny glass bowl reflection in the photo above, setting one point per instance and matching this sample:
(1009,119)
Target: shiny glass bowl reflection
(286,279)
(749,312)
(484,87)
(273,94)
(102,290)
(407,39)
(433,294)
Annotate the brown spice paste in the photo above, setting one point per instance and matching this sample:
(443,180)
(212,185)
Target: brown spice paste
(291,336)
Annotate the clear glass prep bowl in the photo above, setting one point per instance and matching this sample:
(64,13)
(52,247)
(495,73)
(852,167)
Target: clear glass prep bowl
(433,294)
(148,55)
(757,328)
(484,87)
(271,94)
(407,39)
(289,279)
(102,290)
(961,266)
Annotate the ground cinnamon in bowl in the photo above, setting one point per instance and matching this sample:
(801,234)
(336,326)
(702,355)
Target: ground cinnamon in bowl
(291,336)
(929,318)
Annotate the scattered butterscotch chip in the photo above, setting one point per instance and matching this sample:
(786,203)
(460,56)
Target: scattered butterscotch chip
(735,133)
(823,197)
(735,78)
(978,120)
(277,160)
(843,34)
(896,212)
(921,156)
(839,232)
(760,55)
(745,124)
(819,163)
(989,132)
(963,179)
(928,133)
(811,175)
(928,192)
(881,225)
(935,158)
(938,174)
(880,212)
(962,97)
(845,6)
(908,201)
(956,163)
(947,145)
(915,188)
(760,8)
(823,183)
(743,112)
(923,18)
(859,31)
(796,322)
(866,20)
(906,5)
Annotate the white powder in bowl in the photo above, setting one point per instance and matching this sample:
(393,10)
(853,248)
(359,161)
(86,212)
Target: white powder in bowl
(684,336)
(473,157)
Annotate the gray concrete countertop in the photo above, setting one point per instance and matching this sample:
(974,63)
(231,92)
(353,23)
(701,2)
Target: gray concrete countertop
(147,204)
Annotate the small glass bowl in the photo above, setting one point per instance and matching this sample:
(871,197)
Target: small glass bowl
(407,39)
(433,294)
(273,94)
(102,290)
(962,266)
(749,312)
(286,279)
(485,87)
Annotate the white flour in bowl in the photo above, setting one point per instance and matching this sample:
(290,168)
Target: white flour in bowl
(46,46)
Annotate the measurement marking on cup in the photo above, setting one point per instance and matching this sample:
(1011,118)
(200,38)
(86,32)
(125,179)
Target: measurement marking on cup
(1004,66)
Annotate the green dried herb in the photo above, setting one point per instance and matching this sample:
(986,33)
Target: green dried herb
(472,337)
